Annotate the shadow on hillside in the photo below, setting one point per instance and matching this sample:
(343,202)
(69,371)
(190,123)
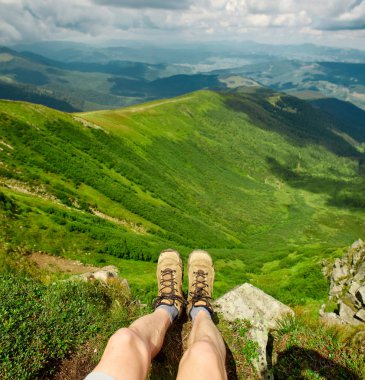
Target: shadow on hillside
(299,363)
(342,193)
(291,117)
(166,364)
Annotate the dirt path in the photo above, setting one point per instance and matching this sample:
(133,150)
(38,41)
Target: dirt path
(56,264)
(143,108)
(133,226)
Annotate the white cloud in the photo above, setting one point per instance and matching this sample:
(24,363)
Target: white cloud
(142,4)
(352,18)
(265,20)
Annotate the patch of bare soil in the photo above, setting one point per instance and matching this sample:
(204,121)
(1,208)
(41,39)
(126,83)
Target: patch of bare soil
(25,188)
(56,264)
(77,366)
(133,226)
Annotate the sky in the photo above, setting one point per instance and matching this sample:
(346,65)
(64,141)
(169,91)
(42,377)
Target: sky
(332,22)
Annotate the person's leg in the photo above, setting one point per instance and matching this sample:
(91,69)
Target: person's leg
(206,353)
(129,351)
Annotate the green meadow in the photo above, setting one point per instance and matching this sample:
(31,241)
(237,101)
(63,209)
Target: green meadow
(262,180)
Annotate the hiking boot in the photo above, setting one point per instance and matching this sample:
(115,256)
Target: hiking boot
(201,278)
(169,280)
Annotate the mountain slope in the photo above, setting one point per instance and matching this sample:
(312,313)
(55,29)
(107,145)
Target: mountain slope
(349,118)
(258,178)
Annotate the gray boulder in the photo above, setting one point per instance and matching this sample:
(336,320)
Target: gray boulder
(347,314)
(250,303)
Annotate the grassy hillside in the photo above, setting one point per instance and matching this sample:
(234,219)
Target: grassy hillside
(260,179)
(58,330)
(351,119)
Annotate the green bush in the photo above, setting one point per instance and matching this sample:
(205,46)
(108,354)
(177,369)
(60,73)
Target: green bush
(42,324)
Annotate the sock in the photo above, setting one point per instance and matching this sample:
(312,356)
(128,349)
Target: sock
(171,309)
(195,310)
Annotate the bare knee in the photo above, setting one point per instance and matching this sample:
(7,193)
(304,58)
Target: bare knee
(204,357)
(128,340)
(203,350)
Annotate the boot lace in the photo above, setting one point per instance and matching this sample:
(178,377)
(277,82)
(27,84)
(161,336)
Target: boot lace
(200,292)
(168,282)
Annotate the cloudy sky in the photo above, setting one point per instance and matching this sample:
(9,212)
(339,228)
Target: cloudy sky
(331,22)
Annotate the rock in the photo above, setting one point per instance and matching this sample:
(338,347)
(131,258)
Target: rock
(354,288)
(248,302)
(357,245)
(347,284)
(321,310)
(347,314)
(360,315)
(360,275)
(335,291)
(358,254)
(339,272)
(360,295)
(104,274)
(331,319)
(259,334)
(350,300)
(326,268)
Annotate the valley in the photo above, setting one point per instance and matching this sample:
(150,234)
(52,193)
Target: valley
(264,181)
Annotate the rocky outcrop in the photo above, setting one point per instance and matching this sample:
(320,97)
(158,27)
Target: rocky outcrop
(252,304)
(347,286)
(104,275)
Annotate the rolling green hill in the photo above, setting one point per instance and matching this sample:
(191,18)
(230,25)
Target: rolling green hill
(261,179)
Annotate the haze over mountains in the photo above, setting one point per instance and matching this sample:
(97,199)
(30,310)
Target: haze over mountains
(70,76)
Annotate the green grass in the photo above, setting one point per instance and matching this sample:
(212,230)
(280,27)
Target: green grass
(42,324)
(307,349)
(268,192)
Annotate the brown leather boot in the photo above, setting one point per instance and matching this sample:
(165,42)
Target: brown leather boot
(169,280)
(201,278)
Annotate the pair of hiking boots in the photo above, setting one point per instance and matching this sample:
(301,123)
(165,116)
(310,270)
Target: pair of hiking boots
(170,277)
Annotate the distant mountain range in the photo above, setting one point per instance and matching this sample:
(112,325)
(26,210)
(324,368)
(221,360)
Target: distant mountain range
(72,86)
(73,77)
(342,80)
(189,53)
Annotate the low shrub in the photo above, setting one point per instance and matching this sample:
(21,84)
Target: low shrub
(42,324)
